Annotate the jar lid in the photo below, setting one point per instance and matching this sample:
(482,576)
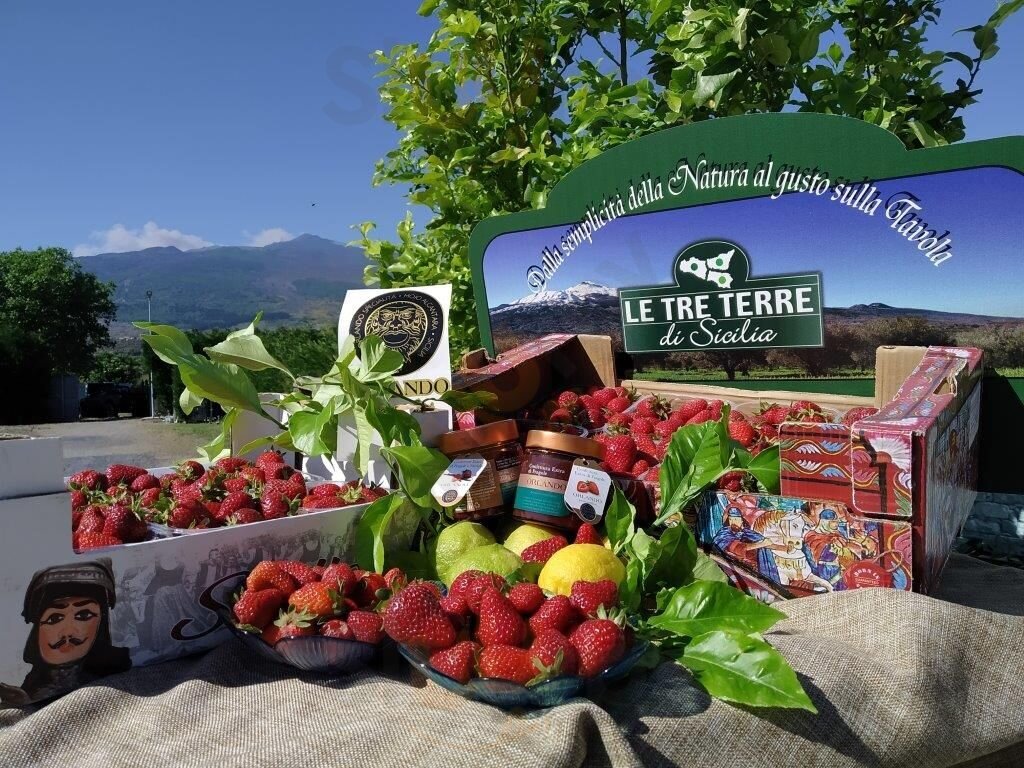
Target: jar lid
(464,440)
(559,441)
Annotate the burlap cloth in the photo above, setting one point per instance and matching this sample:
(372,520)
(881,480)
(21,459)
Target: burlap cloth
(899,679)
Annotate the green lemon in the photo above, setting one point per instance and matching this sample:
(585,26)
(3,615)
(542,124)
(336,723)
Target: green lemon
(526,535)
(579,562)
(454,541)
(490,558)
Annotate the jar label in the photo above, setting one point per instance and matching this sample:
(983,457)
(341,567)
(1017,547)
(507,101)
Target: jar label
(507,469)
(586,492)
(542,485)
(453,485)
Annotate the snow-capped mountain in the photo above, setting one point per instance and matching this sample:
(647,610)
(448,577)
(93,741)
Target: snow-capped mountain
(586,293)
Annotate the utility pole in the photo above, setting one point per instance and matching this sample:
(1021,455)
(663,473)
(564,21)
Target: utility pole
(149,315)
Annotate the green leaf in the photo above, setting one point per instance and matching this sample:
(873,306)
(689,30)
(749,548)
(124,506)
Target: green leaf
(364,437)
(188,401)
(710,86)
(963,58)
(245,349)
(706,569)
(835,53)
(984,38)
(696,457)
(678,558)
(309,430)
(773,48)
(744,669)
(809,45)
(393,425)
(925,135)
(658,8)
(1004,11)
(619,520)
(369,546)
(175,339)
(469,401)
(221,444)
(222,383)
(418,470)
(764,467)
(705,606)
(377,361)
(427,7)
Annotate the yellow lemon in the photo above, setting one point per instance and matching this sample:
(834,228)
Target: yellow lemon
(527,535)
(490,558)
(580,562)
(455,541)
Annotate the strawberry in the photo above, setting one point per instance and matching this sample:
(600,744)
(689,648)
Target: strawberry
(123,474)
(475,591)
(595,417)
(327,489)
(653,407)
(367,626)
(235,501)
(414,617)
(230,464)
(370,493)
(569,400)
(144,482)
(150,496)
(805,406)
(243,516)
(557,613)
(87,480)
(121,523)
(268,575)
(370,589)
(302,573)
(94,540)
(554,651)
(542,550)
(600,643)
(500,622)
(665,429)
(289,624)
(235,484)
(456,662)
(321,502)
(587,596)
(587,534)
(653,475)
(189,470)
(560,416)
(690,408)
(274,505)
(91,520)
(587,402)
(506,662)
(316,599)
(462,582)
(182,491)
(257,607)
(619,422)
(640,466)
(253,474)
(336,628)
(706,415)
(773,413)
(642,425)
(620,453)
(651,447)
(742,432)
(715,406)
(526,597)
(340,577)
(856,414)
(604,396)
(618,404)
(269,457)
(278,472)
(395,579)
(455,608)
(78,500)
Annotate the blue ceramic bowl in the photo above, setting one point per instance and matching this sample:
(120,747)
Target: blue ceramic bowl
(310,654)
(509,695)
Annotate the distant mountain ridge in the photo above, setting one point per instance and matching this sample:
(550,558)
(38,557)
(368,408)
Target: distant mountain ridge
(303,280)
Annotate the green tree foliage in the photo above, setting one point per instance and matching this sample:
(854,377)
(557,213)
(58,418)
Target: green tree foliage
(118,367)
(510,95)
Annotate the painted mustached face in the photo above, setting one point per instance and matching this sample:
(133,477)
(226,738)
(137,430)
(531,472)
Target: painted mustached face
(67,629)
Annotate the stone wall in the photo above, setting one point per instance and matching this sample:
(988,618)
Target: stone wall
(995,526)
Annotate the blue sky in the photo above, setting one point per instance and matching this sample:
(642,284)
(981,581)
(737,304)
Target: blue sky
(126,124)
(861,258)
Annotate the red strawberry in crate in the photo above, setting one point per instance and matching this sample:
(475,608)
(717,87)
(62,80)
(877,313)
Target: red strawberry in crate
(620,453)
(87,480)
(336,628)
(274,504)
(526,597)
(554,651)
(706,415)
(665,429)
(640,466)
(595,418)
(367,626)
(230,464)
(278,472)
(288,625)
(461,584)
(190,470)
(600,643)
(414,617)
(604,396)
(301,572)
(653,407)
(269,575)
(455,608)
(619,421)
(500,622)
(652,475)
(268,458)
(150,496)
(557,613)
(92,519)
(506,662)
(233,502)
(123,524)
(543,550)
(587,596)
(185,515)
(587,534)
(569,400)
(182,491)
(475,591)
(587,402)
(254,475)
(642,425)
(651,447)
(144,482)
(690,408)
(79,500)
(340,577)
(773,413)
(326,490)
(742,432)
(236,484)
(88,540)
(258,607)
(715,406)
(123,474)
(856,414)
(618,404)
(370,493)
(243,516)
(457,662)
(371,589)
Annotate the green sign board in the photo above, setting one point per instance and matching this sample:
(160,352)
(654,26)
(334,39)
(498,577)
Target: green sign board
(716,305)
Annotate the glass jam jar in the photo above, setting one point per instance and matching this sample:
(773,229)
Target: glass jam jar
(494,490)
(545,473)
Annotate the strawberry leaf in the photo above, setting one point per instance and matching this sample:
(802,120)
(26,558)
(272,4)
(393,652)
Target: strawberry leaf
(704,606)
(619,520)
(369,547)
(742,668)
(245,349)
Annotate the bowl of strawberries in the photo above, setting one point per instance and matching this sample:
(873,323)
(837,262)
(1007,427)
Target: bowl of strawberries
(311,617)
(513,646)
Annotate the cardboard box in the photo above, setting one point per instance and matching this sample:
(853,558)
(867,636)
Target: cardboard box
(898,485)
(69,618)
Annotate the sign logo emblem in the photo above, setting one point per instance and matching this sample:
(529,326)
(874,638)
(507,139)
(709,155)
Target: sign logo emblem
(716,305)
(410,322)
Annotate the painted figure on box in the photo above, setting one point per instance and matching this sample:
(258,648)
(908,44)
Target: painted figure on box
(69,644)
(747,545)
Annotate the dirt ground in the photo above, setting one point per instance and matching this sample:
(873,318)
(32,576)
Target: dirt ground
(143,442)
